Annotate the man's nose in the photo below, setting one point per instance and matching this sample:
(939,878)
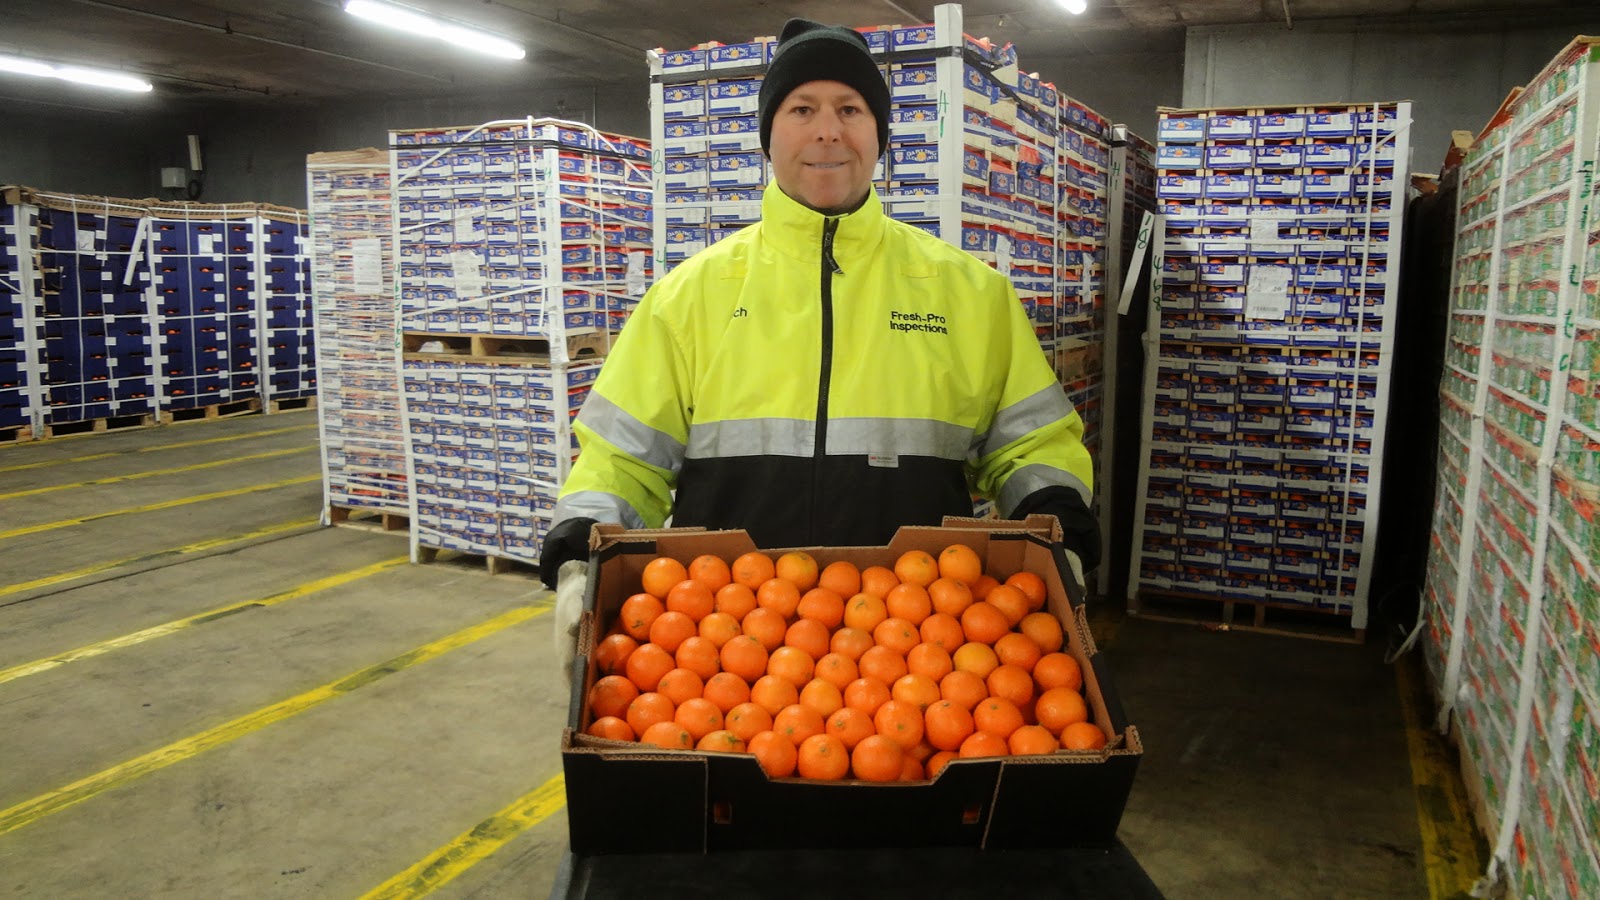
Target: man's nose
(828,126)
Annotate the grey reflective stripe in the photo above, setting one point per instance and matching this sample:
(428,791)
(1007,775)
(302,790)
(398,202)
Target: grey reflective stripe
(751,437)
(898,437)
(846,437)
(630,435)
(597,505)
(1028,479)
(1026,415)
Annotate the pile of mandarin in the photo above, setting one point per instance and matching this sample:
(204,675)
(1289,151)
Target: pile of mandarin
(873,674)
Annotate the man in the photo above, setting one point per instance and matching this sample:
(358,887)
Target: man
(828,374)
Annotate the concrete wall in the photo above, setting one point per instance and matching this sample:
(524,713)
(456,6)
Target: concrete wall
(1456,75)
(260,155)
(1124,87)
(88,152)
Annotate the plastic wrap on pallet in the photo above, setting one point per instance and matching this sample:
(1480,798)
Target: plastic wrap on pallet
(1511,605)
(522,246)
(354,315)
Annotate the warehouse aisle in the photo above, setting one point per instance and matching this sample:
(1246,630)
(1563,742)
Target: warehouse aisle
(217,698)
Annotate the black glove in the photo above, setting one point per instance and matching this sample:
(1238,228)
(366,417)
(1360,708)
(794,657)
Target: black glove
(568,541)
(1080,533)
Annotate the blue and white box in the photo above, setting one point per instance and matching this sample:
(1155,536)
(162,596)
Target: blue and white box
(676,61)
(1181,156)
(1229,187)
(1230,128)
(683,101)
(1181,130)
(1330,124)
(1228,156)
(733,56)
(914,84)
(1280,126)
(738,97)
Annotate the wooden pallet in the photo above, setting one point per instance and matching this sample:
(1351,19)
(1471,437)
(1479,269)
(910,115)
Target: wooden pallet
(495,564)
(99,426)
(1216,613)
(289,404)
(16,434)
(214,411)
(368,519)
(501,349)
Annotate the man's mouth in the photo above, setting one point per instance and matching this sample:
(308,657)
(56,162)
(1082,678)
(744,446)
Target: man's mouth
(832,165)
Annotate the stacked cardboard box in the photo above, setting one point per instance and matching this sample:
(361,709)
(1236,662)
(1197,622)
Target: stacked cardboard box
(358,365)
(1512,613)
(1270,382)
(288,350)
(522,247)
(1082,185)
(20,332)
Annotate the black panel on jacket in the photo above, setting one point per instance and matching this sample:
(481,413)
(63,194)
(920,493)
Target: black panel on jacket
(861,505)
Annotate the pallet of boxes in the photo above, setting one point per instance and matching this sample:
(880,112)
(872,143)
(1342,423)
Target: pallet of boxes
(941,691)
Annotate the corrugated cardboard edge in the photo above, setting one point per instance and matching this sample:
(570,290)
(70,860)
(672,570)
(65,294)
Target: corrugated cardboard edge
(366,156)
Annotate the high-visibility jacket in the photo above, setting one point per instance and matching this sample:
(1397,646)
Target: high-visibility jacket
(823,380)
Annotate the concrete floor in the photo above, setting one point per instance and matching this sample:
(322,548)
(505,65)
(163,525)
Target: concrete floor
(1274,767)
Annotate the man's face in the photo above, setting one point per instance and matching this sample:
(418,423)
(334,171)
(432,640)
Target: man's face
(824,146)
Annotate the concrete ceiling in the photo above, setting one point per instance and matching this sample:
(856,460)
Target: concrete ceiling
(276,52)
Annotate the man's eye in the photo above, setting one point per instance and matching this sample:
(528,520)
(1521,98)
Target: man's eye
(849,110)
(799,110)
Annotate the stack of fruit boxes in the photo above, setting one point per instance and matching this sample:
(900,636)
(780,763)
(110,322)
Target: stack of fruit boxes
(99,342)
(21,412)
(228,290)
(140,309)
(1511,609)
(1274,326)
(288,351)
(358,363)
(522,247)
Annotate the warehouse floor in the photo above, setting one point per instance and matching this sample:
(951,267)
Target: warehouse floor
(203,694)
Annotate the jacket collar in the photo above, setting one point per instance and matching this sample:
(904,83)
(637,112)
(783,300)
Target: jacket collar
(796,230)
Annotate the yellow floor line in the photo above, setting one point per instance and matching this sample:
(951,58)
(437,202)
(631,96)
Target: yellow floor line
(30,811)
(186,549)
(94,456)
(474,846)
(152,507)
(1453,855)
(166,628)
(135,476)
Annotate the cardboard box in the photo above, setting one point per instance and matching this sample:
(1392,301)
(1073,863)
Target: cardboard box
(704,801)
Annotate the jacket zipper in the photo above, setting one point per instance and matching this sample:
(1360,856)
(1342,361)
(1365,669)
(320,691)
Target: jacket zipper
(830,267)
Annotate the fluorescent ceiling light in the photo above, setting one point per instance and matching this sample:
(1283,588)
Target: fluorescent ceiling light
(1076,7)
(78,74)
(415,21)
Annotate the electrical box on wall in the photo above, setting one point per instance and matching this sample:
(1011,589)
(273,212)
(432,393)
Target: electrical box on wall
(174,177)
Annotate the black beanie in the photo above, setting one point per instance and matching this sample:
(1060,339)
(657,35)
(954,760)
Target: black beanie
(808,51)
